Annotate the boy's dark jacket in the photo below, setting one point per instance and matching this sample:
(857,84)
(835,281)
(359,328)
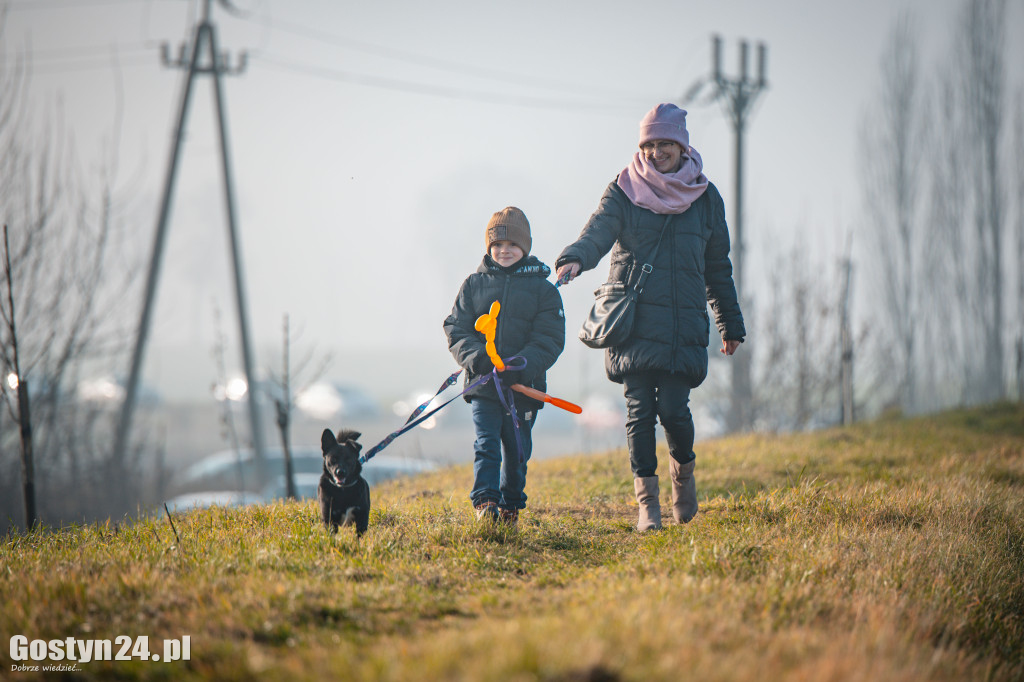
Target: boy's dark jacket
(531,324)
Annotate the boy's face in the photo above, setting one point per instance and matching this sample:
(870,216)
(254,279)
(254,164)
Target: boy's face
(505,253)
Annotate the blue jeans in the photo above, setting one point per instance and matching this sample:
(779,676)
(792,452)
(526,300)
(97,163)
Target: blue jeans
(498,474)
(665,397)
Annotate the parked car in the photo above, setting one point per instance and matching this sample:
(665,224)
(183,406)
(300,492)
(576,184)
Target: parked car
(326,400)
(380,468)
(230,472)
(305,488)
(239,470)
(215,498)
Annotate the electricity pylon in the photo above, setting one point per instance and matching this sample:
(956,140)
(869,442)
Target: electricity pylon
(737,95)
(204,59)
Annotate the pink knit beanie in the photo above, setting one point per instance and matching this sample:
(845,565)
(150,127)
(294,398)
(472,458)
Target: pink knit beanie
(665,122)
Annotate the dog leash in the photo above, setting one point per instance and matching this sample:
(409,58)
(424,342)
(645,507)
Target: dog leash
(510,406)
(415,419)
(450,381)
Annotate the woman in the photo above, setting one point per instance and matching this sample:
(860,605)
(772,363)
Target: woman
(666,356)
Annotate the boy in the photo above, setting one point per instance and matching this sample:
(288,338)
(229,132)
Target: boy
(531,325)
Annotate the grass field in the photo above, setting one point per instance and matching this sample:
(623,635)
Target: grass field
(888,551)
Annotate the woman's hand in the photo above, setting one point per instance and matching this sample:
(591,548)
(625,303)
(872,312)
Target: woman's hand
(729,347)
(567,272)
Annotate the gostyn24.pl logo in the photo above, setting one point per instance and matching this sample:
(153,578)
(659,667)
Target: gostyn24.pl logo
(68,652)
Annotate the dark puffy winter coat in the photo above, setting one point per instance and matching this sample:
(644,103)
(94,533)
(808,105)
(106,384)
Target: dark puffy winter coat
(691,269)
(531,324)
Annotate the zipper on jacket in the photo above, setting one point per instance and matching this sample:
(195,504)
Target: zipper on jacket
(675,308)
(501,301)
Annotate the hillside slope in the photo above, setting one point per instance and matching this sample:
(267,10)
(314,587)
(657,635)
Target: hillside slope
(892,550)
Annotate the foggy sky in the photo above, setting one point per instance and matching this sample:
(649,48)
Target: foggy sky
(370,143)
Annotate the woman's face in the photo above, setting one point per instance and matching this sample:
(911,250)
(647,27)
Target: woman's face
(665,155)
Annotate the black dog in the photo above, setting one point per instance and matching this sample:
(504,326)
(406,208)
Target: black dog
(343,493)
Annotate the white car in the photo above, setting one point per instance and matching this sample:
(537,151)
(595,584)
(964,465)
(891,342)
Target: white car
(238,470)
(215,498)
(232,479)
(380,468)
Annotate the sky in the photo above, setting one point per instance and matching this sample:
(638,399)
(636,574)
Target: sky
(371,141)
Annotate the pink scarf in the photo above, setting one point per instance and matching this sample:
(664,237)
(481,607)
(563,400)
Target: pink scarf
(664,193)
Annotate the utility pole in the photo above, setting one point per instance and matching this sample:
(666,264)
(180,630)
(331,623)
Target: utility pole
(846,412)
(284,415)
(737,96)
(204,59)
(17,381)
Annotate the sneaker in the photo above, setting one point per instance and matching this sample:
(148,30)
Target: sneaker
(508,516)
(487,511)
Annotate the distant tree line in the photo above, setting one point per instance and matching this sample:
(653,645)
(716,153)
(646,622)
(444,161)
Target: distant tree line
(943,174)
(938,249)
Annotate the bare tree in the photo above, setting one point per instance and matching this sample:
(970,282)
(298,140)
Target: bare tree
(796,363)
(893,146)
(64,280)
(943,293)
(948,325)
(847,407)
(284,400)
(1018,154)
(964,284)
(981,78)
(12,360)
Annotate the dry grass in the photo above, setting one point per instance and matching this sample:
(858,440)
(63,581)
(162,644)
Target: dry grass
(889,551)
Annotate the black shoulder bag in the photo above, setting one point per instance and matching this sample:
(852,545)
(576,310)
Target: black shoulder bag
(610,322)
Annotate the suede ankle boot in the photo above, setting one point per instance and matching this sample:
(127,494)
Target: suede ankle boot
(646,490)
(684,490)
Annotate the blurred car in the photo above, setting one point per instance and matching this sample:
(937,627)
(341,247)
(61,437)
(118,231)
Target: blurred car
(380,468)
(231,472)
(305,488)
(215,498)
(325,400)
(239,470)
(109,390)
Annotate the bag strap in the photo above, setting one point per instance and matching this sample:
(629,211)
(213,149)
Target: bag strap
(647,268)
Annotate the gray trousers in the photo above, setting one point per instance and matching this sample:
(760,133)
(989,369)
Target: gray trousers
(658,396)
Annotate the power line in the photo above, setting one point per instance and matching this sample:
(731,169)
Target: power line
(338,75)
(84,58)
(91,65)
(57,53)
(28,5)
(67,59)
(420,59)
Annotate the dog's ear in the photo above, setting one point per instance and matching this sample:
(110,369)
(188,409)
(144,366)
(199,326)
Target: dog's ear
(327,440)
(348,434)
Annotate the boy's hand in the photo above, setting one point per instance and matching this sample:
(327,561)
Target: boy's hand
(567,272)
